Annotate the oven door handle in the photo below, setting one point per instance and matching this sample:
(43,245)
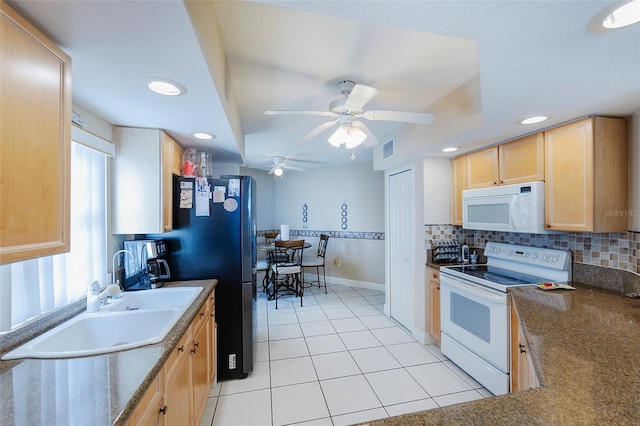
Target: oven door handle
(475,289)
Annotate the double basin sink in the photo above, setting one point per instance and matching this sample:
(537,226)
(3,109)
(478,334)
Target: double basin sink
(132,320)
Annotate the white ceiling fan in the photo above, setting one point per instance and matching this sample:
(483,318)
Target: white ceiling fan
(279,166)
(348,110)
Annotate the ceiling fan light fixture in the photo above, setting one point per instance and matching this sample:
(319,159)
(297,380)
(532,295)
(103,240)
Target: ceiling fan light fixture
(625,15)
(348,135)
(278,171)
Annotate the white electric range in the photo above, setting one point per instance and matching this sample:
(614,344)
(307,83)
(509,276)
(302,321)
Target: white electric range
(475,306)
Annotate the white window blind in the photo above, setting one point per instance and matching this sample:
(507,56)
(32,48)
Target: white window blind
(36,286)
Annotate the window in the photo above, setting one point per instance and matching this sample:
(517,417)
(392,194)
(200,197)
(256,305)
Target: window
(33,287)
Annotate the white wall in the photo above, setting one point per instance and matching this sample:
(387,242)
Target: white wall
(324,190)
(437,191)
(265,197)
(634,172)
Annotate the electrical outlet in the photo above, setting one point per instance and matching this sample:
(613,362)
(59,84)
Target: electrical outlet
(336,262)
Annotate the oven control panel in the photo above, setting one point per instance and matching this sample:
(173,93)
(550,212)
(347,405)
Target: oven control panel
(549,258)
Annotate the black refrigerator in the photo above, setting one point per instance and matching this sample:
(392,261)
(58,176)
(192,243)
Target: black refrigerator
(214,236)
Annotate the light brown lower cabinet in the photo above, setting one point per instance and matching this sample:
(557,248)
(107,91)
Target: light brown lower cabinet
(178,395)
(151,409)
(434,304)
(523,373)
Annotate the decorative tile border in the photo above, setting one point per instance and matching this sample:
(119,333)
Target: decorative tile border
(617,250)
(333,234)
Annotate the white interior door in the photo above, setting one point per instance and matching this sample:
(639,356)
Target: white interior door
(401,250)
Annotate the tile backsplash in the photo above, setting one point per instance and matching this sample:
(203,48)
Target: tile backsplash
(618,250)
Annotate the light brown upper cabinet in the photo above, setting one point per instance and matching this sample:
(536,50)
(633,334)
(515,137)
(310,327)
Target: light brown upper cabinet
(35,129)
(522,160)
(518,161)
(142,181)
(586,185)
(459,174)
(482,168)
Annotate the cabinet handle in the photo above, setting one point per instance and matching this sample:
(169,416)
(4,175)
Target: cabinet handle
(167,228)
(163,410)
(495,183)
(522,349)
(181,348)
(213,315)
(201,314)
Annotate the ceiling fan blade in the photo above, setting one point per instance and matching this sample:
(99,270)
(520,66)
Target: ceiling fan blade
(298,169)
(403,116)
(370,140)
(315,132)
(273,169)
(321,113)
(360,95)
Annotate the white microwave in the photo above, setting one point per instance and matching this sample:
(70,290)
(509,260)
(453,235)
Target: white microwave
(509,208)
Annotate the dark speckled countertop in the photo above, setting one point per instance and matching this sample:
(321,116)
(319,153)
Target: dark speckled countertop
(585,345)
(92,390)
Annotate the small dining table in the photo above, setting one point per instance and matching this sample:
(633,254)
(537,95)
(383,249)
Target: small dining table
(269,247)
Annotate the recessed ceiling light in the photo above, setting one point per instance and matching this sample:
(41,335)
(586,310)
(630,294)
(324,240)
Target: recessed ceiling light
(627,14)
(167,87)
(204,136)
(534,119)
(450,149)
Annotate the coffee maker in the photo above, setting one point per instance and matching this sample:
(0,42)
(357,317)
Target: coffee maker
(147,268)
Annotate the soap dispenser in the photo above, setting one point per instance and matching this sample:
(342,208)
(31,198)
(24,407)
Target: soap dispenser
(93,291)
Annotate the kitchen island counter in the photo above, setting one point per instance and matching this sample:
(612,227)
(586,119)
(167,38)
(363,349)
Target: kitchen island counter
(92,390)
(585,345)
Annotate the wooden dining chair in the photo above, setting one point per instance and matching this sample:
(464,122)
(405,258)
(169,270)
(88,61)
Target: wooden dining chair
(286,269)
(318,262)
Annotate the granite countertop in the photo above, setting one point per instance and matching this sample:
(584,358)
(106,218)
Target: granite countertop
(585,345)
(93,390)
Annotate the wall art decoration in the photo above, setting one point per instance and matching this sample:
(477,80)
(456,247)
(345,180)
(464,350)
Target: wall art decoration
(343,214)
(305,208)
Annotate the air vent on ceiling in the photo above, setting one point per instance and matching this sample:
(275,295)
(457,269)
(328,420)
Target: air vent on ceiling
(387,149)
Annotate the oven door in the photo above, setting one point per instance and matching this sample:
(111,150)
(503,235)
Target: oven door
(477,318)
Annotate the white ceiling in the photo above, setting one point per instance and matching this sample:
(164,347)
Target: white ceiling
(531,57)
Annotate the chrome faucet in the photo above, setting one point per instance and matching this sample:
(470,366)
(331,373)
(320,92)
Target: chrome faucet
(113,263)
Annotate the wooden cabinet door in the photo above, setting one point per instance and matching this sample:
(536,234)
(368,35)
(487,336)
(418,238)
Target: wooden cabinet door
(459,175)
(167,182)
(569,177)
(200,368)
(522,160)
(142,181)
(35,130)
(212,341)
(176,159)
(178,395)
(150,409)
(434,298)
(482,168)
(523,374)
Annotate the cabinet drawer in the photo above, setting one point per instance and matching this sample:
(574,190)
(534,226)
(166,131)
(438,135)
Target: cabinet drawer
(201,317)
(434,275)
(180,351)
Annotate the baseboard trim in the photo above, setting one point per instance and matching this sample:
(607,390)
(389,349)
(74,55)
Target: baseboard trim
(346,282)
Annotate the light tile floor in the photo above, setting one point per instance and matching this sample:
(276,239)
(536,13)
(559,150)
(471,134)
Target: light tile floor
(338,360)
